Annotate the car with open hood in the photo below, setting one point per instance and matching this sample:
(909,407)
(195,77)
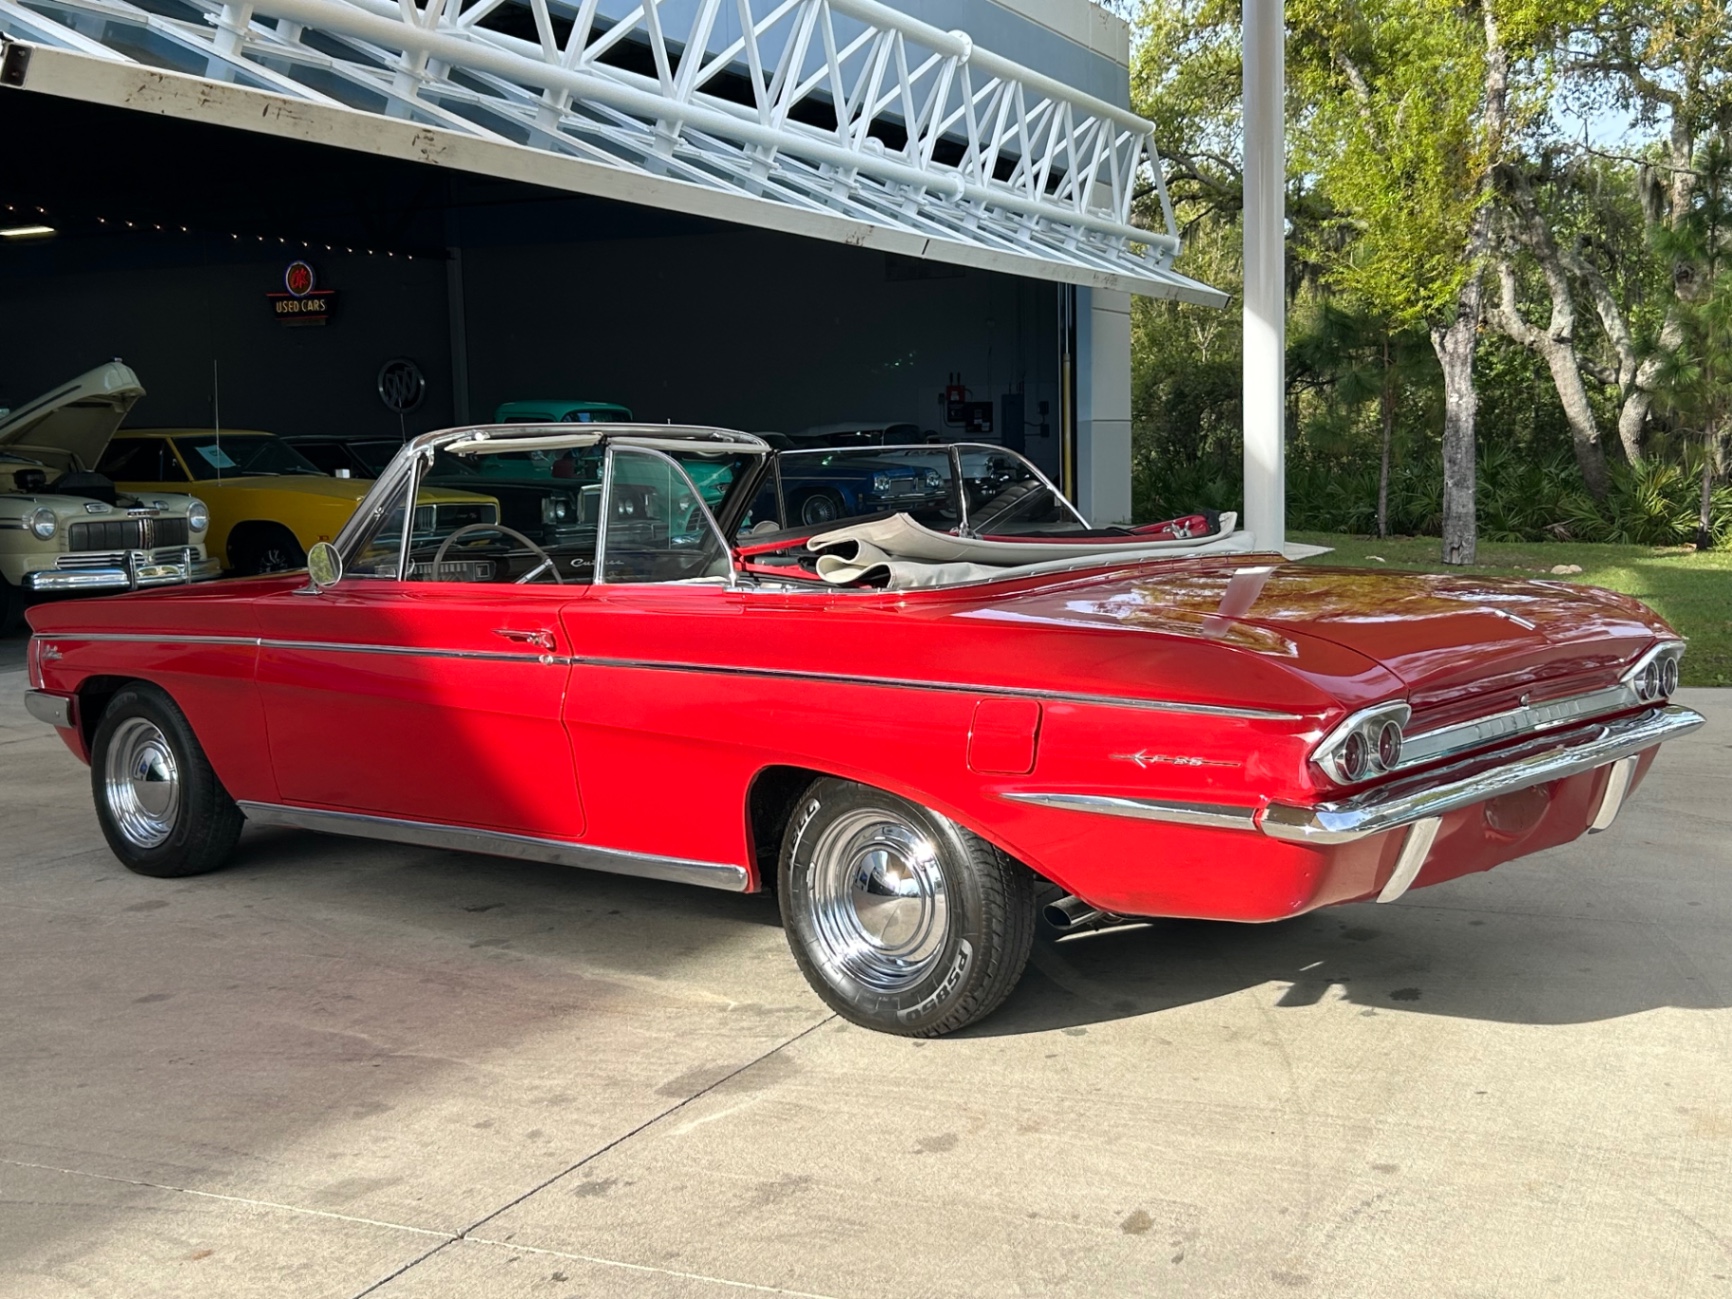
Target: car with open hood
(268,503)
(66,530)
(914,735)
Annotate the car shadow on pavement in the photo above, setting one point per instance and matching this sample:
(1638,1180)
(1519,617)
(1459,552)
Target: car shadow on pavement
(1472,957)
(1462,961)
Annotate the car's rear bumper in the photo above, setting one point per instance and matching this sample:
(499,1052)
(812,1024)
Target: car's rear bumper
(1426,797)
(1277,860)
(133,573)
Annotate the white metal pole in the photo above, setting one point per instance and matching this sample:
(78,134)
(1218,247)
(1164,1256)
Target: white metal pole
(1265,381)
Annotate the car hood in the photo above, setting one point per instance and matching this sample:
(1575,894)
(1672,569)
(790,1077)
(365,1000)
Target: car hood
(349,491)
(1448,640)
(74,420)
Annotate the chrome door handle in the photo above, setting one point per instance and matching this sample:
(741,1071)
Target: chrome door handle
(540,639)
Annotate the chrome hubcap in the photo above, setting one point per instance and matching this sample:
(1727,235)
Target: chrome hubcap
(142,783)
(879,900)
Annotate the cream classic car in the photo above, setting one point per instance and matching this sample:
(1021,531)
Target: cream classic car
(64,528)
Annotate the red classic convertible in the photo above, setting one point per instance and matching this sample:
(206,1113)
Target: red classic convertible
(908,727)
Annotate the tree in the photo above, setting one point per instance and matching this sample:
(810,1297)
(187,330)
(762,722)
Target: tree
(1694,382)
(1668,67)
(1412,109)
(1364,357)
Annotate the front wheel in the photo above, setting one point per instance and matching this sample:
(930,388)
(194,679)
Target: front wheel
(823,506)
(161,807)
(900,919)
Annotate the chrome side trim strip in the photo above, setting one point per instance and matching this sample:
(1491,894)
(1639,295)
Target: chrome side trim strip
(56,710)
(316,646)
(411,651)
(1436,793)
(1617,790)
(1016,692)
(495,843)
(147,638)
(1220,816)
(719,669)
(1415,848)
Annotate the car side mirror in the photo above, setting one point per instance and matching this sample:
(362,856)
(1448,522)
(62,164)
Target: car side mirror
(324,565)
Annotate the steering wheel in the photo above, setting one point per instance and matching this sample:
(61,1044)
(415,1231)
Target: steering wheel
(547,564)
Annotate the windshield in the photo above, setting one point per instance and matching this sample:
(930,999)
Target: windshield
(825,487)
(241,455)
(971,488)
(1007,498)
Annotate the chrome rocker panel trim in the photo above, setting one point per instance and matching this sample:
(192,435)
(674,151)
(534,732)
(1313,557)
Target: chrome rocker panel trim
(1411,801)
(494,843)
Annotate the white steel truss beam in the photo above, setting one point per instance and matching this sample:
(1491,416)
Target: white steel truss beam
(845,109)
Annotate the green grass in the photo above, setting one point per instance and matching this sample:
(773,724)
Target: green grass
(1690,590)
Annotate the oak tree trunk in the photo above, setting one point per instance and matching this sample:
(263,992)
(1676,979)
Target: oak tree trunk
(1705,507)
(1386,404)
(1455,351)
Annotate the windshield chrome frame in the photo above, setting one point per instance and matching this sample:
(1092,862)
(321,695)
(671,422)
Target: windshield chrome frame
(607,517)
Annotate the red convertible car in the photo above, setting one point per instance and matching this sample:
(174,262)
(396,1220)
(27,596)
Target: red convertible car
(910,732)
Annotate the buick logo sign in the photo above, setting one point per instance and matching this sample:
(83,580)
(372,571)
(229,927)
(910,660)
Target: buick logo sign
(401,385)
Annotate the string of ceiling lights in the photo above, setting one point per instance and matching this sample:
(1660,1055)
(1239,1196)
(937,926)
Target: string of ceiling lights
(26,223)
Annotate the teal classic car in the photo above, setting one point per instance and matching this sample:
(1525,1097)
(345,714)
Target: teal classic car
(542,464)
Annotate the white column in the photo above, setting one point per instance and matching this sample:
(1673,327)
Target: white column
(1103,406)
(1265,383)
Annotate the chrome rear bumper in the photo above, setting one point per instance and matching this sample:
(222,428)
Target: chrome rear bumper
(1438,792)
(1419,798)
(135,573)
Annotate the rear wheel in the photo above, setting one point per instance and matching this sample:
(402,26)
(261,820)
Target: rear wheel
(902,920)
(161,807)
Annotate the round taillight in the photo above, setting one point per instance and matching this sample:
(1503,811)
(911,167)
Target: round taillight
(1648,683)
(1355,754)
(1669,676)
(1388,746)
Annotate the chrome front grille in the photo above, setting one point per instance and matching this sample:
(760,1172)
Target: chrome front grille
(126,534)
(117,558)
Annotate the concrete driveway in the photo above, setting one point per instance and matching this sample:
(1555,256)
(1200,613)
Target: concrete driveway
(339,1069)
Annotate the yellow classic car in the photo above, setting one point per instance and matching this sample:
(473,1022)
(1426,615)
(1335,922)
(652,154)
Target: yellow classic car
(268,503)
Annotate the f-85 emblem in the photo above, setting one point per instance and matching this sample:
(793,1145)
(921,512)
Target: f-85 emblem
(1145,760)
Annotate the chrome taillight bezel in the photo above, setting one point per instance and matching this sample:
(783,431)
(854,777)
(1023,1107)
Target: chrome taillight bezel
(1339,760)
(1654,676)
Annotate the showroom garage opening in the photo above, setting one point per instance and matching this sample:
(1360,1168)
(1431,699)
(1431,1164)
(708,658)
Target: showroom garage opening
(292,239)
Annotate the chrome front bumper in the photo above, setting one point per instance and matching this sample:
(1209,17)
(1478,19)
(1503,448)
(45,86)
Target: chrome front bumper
(137,572)
(1421,798)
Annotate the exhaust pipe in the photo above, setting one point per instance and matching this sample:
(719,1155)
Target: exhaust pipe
(1073,913)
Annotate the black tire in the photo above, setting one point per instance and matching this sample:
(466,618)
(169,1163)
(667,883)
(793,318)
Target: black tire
(954,916)
(161,807)
(270,549)
(821,507)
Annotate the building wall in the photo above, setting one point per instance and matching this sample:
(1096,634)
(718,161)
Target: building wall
(739,328)
(193,320)
(753,331)
(1104,405)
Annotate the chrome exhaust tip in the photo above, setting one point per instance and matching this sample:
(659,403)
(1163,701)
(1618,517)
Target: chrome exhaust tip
(1073,913)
